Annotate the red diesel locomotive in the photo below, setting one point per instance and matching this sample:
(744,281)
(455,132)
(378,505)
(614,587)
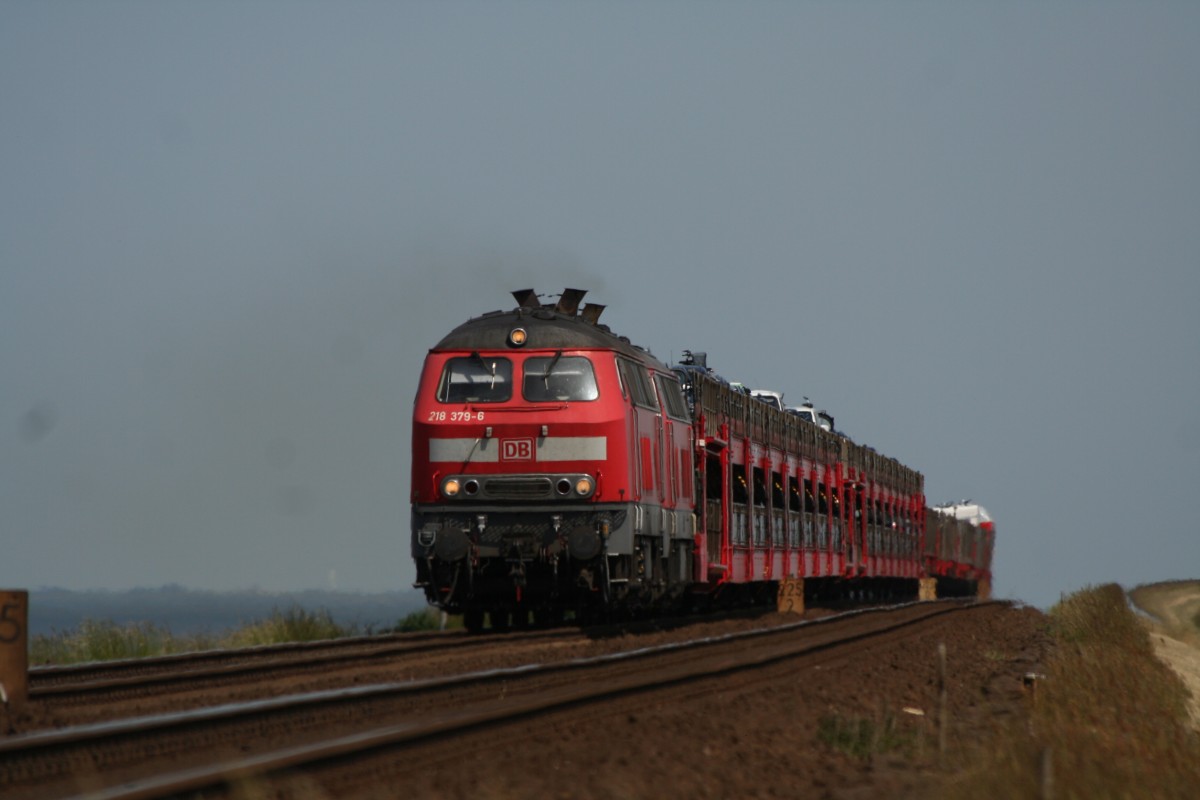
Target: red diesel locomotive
(558,467)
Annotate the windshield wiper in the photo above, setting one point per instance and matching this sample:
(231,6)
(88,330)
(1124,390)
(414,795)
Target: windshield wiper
(491,371)
(550,368)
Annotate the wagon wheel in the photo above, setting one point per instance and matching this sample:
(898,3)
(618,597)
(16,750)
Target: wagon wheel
(547,616)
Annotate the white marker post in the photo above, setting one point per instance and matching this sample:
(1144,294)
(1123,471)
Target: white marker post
(14,647)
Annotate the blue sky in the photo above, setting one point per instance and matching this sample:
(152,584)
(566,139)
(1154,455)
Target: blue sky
(230,231)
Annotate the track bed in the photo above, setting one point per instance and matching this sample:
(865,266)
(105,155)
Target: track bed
(665,714)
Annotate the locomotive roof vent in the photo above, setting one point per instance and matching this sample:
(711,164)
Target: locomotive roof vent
(526,298)
(567,305)
(568,301)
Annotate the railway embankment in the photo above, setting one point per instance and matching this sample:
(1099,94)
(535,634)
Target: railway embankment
(1174,607)
(1108,716)
(836,702)
(1071,703)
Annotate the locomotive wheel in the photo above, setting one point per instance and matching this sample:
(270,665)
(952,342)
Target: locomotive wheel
(585,615)
(547,617)
(501,620)
(473,620)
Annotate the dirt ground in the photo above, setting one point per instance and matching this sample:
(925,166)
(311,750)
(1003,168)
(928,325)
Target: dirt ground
(861,724)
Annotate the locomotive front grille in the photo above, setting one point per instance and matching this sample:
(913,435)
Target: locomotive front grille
(504,527)
(518,488)
(504,530)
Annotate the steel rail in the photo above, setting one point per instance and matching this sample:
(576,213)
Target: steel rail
(89,682)
(79,739)
(53,674)
(125,678)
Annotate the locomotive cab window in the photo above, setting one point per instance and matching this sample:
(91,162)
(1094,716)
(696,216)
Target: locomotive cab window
(476,379)
(559,377)
(672,395)
(636,384)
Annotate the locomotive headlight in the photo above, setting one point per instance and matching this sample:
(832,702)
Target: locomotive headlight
(450,487)
(517,337)
(584,486)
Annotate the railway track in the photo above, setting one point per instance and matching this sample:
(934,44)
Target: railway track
(77,694)
(166,755)
(102,682)
(42,678)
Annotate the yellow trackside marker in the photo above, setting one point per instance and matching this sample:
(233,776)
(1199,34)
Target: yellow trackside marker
(790,599)
(14,648)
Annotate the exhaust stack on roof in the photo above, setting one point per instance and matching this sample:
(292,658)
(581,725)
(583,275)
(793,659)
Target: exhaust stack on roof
(591,312)
(568,301)
(526,298)
(568,304)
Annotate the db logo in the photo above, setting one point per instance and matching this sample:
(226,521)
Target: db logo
(516,449)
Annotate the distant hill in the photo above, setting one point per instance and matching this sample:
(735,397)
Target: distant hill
(187,611)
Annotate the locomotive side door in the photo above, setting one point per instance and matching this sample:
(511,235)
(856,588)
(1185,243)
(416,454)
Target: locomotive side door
(676,440)
(636,385)
(662,428)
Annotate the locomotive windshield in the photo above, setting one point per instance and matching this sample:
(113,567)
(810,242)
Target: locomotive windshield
(476,379)
(559,377)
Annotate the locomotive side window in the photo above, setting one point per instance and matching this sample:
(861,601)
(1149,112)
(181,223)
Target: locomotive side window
(637,383)
(672,395)
(476,379)
(559,377)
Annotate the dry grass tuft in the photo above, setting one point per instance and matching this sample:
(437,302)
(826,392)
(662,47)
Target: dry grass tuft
(1107,720)
(105,640)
